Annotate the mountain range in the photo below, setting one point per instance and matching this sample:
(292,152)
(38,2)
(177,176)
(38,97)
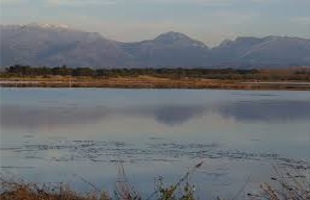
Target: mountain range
(52,45)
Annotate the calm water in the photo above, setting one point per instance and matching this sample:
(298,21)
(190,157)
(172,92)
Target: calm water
(53,135)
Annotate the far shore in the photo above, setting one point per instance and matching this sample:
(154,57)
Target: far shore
(153,82)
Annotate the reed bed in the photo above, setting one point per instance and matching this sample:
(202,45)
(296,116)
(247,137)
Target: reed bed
(18,189)
(285,185)
(149,82)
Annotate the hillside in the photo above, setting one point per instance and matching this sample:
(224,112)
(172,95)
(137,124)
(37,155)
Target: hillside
(51,45)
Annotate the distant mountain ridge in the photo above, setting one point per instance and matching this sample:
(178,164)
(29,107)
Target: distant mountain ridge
(168,49)
(54,45)
(271,50)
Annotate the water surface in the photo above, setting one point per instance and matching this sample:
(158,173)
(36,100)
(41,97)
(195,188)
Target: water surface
(52,135)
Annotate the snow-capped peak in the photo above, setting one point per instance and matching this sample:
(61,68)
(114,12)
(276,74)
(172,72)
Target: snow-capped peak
(45,25)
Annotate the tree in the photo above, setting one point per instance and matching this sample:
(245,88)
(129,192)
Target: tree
(83,72)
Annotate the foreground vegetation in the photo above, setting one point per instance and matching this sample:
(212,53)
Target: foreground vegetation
(286,186)
(27,76)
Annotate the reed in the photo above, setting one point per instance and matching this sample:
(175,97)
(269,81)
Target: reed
(285,185)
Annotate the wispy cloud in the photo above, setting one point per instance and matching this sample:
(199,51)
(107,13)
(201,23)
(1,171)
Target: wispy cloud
(112,2)
(10,2)
(305,20)
(80,2)
(61,2)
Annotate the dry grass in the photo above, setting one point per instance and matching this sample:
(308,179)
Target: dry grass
(13,189)
(144,82)
(287,185)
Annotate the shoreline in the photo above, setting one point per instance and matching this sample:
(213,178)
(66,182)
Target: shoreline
(144,82)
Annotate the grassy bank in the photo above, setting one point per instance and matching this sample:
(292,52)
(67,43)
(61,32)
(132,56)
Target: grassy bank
(286,185)
(252,79)
(149,82)
(297,188)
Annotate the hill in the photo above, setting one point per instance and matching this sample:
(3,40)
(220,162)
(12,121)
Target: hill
(52,45)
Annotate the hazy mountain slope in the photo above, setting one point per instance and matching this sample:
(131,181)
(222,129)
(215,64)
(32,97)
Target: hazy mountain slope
(170,49)
(50,45)
(279,50)
(230,50)
(268,51)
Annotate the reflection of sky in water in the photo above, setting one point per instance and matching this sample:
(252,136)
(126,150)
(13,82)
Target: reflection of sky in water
(56,112)
(244,121)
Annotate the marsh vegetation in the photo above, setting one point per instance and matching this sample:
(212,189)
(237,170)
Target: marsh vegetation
(27,76)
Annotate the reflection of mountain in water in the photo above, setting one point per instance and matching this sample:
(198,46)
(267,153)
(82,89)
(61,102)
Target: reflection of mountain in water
(170,115)
(53,116)
(260,111)
(39,116)
(266,111)
(173,115)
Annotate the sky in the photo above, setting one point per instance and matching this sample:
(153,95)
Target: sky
(210,21)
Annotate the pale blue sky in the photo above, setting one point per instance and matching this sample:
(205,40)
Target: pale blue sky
(210,21)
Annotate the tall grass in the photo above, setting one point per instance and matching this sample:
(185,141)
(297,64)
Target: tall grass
(17,189)
(285,185)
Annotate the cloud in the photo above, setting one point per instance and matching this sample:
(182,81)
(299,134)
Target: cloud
(208,1)
(233,18)
(113,2)
(305,20)
(80,2)
(60,2)
(9,2)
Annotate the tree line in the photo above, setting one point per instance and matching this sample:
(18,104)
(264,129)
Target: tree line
(24,70)
(222,73)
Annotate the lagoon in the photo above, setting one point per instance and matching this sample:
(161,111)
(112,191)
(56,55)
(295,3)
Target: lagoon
(67,135)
